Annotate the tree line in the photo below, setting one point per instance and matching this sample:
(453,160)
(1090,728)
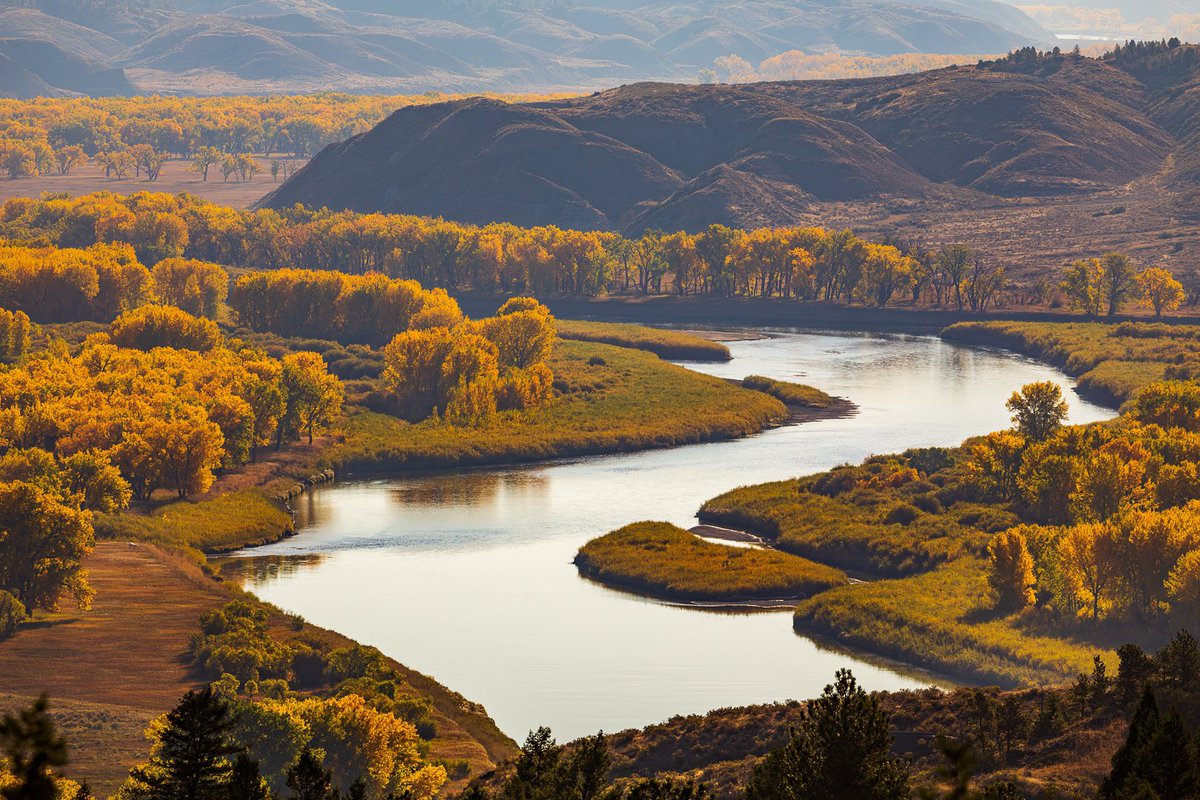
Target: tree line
(47,136)
(803,264)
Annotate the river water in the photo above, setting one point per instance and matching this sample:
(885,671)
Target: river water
(468,577)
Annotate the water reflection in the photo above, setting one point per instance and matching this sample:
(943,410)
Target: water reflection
(468,577)
(265,568)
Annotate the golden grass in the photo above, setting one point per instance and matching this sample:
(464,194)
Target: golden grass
(847,535)
(660,559)
(610,399)
(226,522)
(943,620)
(675,345)
(1111,362)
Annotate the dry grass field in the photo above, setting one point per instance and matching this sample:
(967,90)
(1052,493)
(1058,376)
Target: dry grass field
(111,670)
(175,178)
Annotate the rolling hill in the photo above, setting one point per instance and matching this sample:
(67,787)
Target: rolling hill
(682,157)
(255,46)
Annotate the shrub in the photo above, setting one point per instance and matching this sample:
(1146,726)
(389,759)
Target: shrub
(12,614)
(902,514)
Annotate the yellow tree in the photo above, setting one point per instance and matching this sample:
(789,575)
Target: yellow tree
(1010,569)
(313,396)
(1160,290)
(470,375)
(523,331)
(1082,285)
(15,329)
(1183,584)
(995,463)
(197,287)
(42,545)
(1170,404)
(185,447)
(413,371)
(1089,557)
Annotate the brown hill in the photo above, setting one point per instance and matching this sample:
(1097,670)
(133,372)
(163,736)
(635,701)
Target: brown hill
(484,160)
(604,162)
(682,157)
(19,83)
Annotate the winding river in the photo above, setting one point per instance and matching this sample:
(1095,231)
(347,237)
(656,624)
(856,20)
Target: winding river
(468,577)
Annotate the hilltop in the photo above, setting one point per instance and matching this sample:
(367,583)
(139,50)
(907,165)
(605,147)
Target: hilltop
(232,46)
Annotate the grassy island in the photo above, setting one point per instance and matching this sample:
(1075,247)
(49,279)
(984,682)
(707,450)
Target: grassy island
(662,560)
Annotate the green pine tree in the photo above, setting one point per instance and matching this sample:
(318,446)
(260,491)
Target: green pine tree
(192,761)
(840,751)
(31,745)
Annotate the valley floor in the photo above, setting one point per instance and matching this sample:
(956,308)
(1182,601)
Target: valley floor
(174,178)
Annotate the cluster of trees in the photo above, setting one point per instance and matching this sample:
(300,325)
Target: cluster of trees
(305,749)
(363,309)
(298,125)
(64,285)
(1095,286)
(98,283)
(140,398)
(1114,519)
(796,65)
(139,134)
(467,372)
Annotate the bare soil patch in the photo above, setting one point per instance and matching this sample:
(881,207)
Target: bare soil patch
(174,178)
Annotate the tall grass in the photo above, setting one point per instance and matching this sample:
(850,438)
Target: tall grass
(850,536)
(609,399)
(660,559)
(943,620)
(674,345)
(792,394)
(226,522)
(1111,362)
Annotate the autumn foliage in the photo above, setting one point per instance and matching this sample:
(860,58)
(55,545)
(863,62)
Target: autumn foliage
(803,264)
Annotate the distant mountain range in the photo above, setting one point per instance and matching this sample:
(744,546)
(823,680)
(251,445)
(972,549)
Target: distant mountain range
(682,157)
(103,47)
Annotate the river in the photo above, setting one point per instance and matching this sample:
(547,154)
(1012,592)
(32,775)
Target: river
(468,577)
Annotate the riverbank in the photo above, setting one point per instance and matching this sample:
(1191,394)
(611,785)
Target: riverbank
(744,312)
(1111,363)
(610,400)
(113,669)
